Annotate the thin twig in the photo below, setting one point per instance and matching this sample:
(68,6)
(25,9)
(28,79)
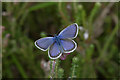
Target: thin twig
(53,69)
(100,20)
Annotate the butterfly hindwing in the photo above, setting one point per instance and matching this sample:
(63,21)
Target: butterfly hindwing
(68,45)
(54,51)
(69,32)
(44,43)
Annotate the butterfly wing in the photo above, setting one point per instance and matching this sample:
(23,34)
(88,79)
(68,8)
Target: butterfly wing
(54,51)
(68,45)
(69,32)
(44,43)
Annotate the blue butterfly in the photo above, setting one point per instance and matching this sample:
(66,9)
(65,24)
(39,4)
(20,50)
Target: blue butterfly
(61,43)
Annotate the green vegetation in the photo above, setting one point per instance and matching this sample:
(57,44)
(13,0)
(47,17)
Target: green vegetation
(96,56)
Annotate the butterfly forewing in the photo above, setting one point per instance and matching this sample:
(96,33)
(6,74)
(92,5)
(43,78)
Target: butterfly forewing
(69,32)
(54,51)
(68,45)
(44,43)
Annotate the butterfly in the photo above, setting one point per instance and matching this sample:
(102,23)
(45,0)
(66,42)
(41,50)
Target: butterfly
(61,43)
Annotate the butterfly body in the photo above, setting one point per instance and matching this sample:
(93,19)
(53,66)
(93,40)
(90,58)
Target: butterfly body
(57,40)
(61,43)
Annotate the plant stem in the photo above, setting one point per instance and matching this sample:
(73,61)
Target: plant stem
(62,13)
(107,43)
(53,69)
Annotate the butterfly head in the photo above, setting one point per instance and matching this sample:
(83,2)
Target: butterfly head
(55,35)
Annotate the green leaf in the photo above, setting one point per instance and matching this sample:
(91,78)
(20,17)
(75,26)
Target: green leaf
(41,5)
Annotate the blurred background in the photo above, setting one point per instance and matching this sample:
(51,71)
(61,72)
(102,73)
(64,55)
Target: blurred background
(97,52)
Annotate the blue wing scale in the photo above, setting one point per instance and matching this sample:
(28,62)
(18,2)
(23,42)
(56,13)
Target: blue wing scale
(68,45)
(44,43)
(69,32)
(54,51)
